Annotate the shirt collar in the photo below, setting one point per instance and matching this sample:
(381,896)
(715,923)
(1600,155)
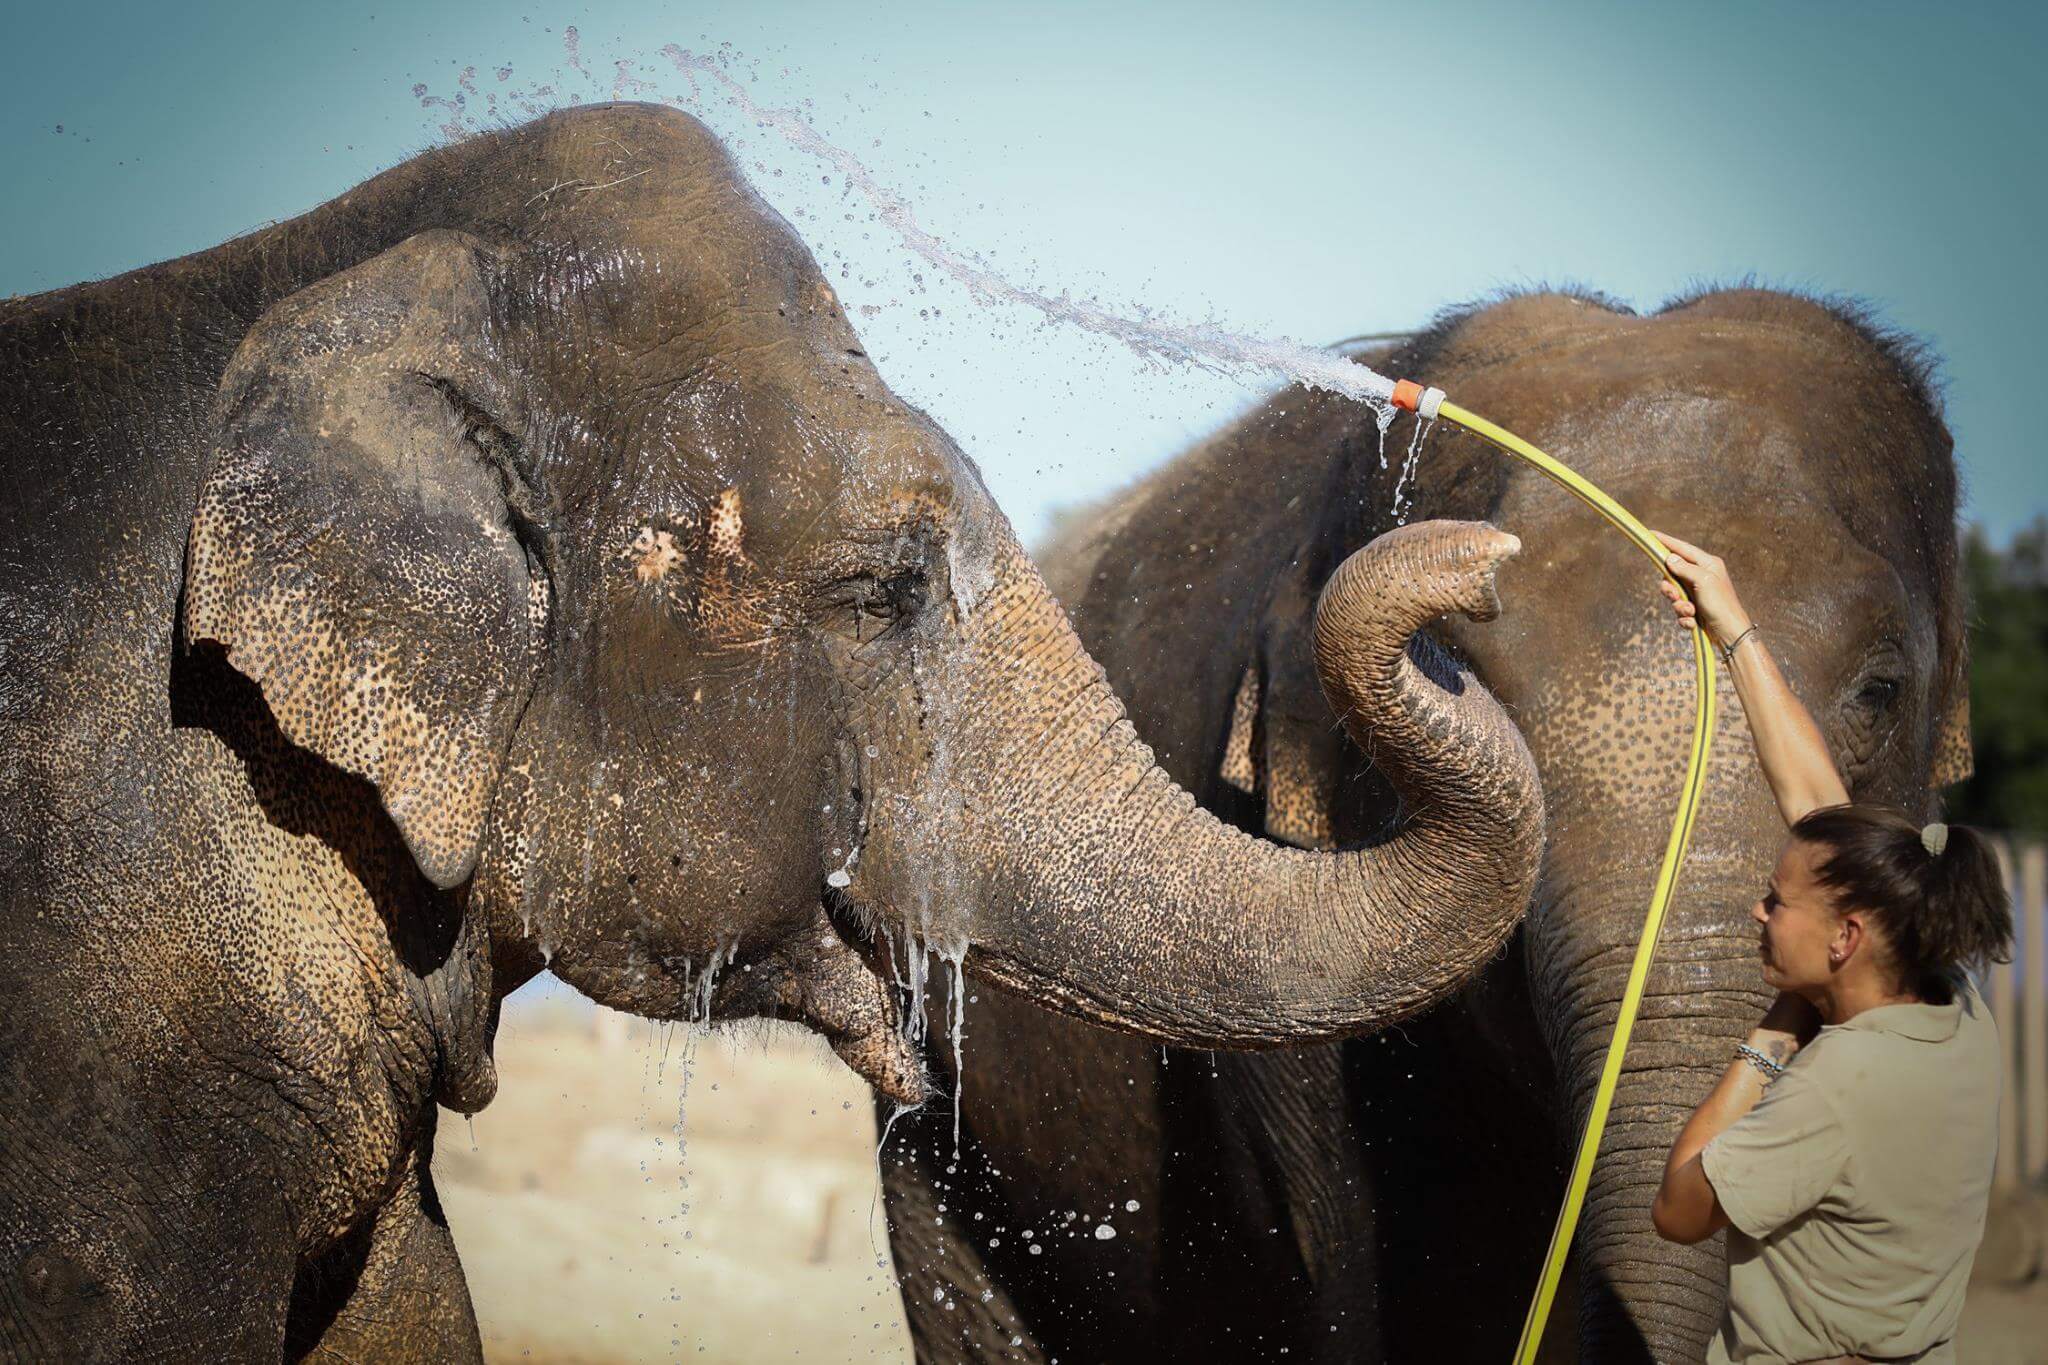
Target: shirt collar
(1922,1022)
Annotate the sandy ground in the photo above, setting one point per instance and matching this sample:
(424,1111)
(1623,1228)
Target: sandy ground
(630,1196)
(681,1194)
(2005,1327)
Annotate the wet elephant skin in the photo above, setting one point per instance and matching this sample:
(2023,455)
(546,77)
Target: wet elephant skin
(517,562)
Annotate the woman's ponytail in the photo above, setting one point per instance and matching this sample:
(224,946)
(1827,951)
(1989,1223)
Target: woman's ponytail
(1969,916)
(1935,889)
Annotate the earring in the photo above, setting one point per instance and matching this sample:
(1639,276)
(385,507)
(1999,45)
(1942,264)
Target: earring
(1835,957)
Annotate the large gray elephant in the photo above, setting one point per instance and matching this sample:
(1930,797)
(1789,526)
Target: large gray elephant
(1393,1196)
(516,561)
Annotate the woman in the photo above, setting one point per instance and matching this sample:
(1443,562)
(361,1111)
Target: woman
(1848,1147)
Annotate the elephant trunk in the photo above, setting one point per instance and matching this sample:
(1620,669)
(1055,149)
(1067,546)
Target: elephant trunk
(1645,1298)
(1103,889)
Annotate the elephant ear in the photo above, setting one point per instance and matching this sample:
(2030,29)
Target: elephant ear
(355,548)
(1241,747)
(1284,744)
(1952,758)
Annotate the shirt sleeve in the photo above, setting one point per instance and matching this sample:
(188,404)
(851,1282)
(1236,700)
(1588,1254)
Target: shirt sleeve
(1778,1160)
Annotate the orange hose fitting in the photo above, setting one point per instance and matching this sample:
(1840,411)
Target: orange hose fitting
(1407,393)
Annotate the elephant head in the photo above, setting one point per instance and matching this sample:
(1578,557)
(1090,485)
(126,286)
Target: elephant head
(578,524)
(1804,445)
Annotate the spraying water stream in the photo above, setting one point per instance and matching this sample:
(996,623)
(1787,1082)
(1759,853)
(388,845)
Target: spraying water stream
(1204,346)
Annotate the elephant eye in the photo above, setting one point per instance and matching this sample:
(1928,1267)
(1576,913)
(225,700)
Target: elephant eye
(1878,682)
(906,593)
(1869,725)
(872,607)
(1876,694)
(1869,712)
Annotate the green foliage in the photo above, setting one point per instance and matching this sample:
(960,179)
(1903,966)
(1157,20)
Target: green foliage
(2008,682)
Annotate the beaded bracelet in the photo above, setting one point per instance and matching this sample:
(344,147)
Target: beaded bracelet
(1767,1068)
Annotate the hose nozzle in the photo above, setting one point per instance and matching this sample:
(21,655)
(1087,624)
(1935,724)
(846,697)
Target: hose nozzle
(1410,396)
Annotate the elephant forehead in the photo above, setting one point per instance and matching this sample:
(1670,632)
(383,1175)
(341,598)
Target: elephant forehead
(653,181)
(1780,352)
(807,458)
(1681,451)
(1726,474)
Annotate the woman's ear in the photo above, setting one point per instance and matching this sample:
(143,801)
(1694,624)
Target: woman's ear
(356,547)
(1850,937)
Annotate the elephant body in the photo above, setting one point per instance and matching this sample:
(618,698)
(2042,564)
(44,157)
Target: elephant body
(1391,1197)
(517,563)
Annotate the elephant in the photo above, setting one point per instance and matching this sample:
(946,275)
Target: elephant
(1391,1197)
(516,563)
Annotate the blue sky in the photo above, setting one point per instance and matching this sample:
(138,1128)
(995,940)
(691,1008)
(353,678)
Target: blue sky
(1311,171)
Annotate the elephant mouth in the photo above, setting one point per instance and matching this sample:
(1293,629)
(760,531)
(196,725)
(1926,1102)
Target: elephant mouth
(859,922)
(895,955)
(830,973)
(865,1007)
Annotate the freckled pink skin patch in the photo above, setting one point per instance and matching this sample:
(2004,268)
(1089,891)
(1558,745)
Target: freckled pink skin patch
(653,553)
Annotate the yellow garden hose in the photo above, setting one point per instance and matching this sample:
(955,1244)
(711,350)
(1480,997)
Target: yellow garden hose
(1427,403)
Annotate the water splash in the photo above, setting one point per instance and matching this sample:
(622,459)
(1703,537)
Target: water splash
(1408,465)
(1205,346)
(913,980)
(572,44)
(707,981)
(687,1067)
(1155,339)
(956,1027)
(896,1111)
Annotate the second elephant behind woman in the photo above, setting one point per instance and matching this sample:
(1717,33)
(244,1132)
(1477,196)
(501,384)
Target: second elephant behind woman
(1391,1197)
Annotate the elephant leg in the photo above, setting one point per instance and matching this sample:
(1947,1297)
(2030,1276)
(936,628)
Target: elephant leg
(392,1290)
(1054,1202)
(1270,1209)
(1460,1147)
(957,1312)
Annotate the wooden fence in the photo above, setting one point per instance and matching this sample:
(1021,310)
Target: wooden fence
(2018,992)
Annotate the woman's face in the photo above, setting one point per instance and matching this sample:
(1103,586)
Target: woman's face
(1798,920)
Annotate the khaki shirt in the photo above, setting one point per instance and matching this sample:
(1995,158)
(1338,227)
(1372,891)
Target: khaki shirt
(1856,1189)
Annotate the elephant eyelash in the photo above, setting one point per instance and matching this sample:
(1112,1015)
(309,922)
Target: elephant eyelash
(890,602)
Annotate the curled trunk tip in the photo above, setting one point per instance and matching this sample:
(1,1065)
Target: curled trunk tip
(1137,908)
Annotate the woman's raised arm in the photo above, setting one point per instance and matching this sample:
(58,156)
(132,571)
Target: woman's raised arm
(1789,746)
